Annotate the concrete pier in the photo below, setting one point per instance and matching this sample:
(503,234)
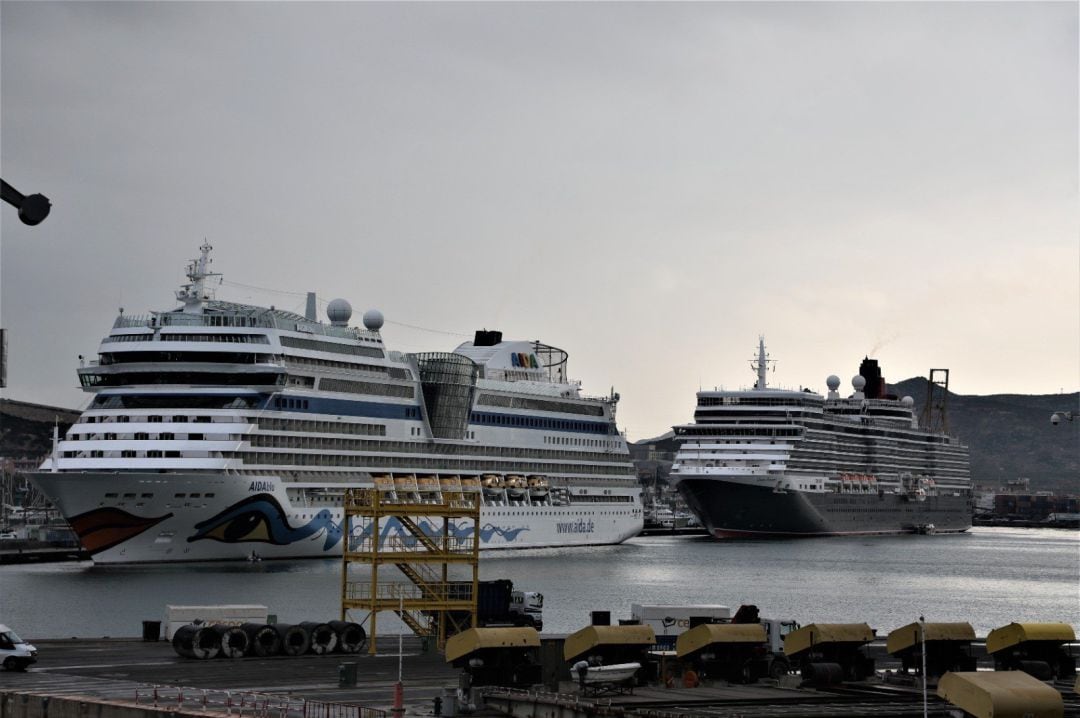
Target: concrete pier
(124,678)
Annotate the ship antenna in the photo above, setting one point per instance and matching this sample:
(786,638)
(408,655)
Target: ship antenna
(761,364)
(195,292)
(55,442)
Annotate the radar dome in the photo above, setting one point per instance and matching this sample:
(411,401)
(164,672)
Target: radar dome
(908,401)
(859,382)
(373,320)
(833,382)
(339,312)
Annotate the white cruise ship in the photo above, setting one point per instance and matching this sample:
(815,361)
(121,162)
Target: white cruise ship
(221,431)
(769,462)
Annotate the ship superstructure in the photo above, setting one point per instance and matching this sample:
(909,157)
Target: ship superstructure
(220,430)
(768,462)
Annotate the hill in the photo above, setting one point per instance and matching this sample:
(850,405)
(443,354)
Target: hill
(26,429)
(1009,436)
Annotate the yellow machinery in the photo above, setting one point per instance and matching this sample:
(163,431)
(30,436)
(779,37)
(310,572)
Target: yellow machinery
(1001,694)
(1036,648)
(736,652)
(611,644)
(948,647)
(497,656)
(828,653)
(422,541)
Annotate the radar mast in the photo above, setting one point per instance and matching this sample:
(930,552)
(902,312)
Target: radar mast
(195,292)
(761,364)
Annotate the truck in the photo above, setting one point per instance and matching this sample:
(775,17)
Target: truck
(737,661)
(15,653)
(498,603)
(669,621)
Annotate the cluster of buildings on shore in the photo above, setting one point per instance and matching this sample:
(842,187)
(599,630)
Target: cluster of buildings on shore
(1016,504)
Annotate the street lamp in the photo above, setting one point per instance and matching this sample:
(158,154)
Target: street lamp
(32,208)
(1057,416)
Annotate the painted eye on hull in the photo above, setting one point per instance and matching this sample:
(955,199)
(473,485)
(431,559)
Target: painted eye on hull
(257,518)
(248,526)
(260,518)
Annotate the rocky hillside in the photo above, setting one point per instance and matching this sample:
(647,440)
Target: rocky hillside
(26,429)
(1010,435)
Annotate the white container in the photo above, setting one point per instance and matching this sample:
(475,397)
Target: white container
(177,616)
(673,620)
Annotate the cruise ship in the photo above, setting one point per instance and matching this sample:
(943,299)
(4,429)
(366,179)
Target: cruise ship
(223,431)
(769,462)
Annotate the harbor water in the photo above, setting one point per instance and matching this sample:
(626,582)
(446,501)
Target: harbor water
(988,577)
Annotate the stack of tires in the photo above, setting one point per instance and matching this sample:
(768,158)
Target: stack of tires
(205,641)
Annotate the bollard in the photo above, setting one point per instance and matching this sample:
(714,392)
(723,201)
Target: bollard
(346,675)
(399,701)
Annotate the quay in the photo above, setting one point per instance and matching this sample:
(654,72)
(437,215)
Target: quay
(126,678)
(26,552)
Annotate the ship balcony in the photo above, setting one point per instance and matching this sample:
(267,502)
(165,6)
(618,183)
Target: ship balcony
(111,464)
(688,471)
(268,374)
(211,431)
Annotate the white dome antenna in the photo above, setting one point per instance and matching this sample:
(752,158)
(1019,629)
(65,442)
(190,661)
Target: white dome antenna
(373,320)
(339,312)
(833,382)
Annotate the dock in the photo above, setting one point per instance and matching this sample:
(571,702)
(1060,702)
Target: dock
(128,678)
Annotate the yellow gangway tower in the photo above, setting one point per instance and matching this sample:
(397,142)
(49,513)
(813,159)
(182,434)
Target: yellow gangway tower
(387,529)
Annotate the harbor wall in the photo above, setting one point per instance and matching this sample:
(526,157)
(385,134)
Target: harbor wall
(20,704)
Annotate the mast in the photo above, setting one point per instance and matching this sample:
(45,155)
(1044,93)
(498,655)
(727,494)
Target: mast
(195,292)
(761,364)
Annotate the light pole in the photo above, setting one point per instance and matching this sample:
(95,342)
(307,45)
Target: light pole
(922,635)
(32,208)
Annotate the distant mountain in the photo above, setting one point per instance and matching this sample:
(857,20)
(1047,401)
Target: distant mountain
(26,429)
(1009,436)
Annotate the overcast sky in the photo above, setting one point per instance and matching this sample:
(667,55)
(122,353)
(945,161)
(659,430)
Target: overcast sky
(648,186)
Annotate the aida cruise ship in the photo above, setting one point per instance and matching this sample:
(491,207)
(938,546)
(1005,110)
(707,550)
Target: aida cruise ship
(224,431)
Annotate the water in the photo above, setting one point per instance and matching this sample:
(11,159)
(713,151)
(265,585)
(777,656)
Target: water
(988,577)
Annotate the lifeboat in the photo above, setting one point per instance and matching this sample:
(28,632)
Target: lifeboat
(493,484)
(516,487)
(405,485)
(384,484)
(428,486)
(470,484)
(449,483)
(538,487)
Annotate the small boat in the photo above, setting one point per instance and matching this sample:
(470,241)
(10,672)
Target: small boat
(516,486)
(615,673)
(492,483)
(538,487)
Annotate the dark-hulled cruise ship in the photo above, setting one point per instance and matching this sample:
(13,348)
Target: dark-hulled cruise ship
(768,462)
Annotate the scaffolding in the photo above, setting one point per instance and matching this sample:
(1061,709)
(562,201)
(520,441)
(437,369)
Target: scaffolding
(935,417)
(422,539)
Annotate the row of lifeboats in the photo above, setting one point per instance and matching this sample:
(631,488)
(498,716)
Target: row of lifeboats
(516,486)
(857,483)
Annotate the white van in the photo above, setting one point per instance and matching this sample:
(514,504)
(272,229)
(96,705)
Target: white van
(15,653)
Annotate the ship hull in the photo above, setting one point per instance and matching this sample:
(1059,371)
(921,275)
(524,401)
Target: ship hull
(736,510)
(157,517)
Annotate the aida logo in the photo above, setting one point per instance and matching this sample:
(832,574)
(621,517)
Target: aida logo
(523,360)
(580,526)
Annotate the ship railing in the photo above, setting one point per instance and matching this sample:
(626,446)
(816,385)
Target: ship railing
(248,704)
(407,592)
